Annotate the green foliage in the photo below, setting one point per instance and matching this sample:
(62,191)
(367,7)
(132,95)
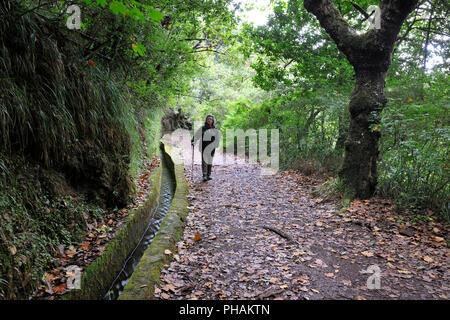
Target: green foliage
(66,94)
(59,112)
(225,81)
(85,105)
(144,127)
(290,46)
(33,224)
(88,103)
(310,81)
(414,164)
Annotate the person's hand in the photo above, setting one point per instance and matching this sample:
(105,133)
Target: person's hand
(192,143)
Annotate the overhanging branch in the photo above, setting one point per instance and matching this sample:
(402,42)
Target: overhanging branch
(393,14)
(376,44)
(331,20)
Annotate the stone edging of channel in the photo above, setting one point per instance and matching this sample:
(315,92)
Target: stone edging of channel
(142,283)
(100,274)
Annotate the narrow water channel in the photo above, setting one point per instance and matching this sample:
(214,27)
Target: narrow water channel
(165,200)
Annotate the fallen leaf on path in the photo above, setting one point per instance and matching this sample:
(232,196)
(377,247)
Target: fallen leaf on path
(347,283)
(70,253)
(85,245)
(320,263)
(50,277)
(169,287)
(274,280)
(367,253)
(60,289)
(404,271)
(165,296)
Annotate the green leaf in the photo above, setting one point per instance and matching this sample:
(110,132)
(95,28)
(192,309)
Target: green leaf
(102,3)
(155,14)
(137,14)
(139,48)
(117,7)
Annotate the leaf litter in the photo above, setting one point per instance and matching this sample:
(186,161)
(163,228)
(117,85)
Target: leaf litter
(225,252)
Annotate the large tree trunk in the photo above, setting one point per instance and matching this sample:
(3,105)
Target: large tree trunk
(370,56)
(359,170)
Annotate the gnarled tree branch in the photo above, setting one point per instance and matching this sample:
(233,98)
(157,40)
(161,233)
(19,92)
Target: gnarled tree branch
(375,46)
(331,20)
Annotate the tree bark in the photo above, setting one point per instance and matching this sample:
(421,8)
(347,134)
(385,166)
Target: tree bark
(343,125)
(359,169)
(370,55)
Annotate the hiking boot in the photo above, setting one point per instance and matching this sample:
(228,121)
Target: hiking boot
(205,179)
(209,178)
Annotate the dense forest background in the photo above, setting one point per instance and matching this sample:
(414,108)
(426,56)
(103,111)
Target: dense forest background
(289,74)
(80,109)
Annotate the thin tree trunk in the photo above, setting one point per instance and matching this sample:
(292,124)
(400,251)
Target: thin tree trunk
(427,39)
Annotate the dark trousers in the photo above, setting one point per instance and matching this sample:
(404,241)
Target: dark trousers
(206,168)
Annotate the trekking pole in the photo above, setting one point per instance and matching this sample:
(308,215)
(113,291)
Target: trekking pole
(192,171)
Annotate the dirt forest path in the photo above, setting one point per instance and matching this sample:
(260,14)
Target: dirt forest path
(250,236)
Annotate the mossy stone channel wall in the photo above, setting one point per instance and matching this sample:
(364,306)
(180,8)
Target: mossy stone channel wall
(146,275)
(99,276)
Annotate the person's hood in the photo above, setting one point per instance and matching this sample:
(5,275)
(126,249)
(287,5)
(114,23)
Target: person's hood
(214,119)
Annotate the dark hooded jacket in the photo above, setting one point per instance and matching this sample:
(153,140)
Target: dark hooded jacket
(210,136)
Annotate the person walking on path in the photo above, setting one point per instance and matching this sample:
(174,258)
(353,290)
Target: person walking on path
(210,138)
